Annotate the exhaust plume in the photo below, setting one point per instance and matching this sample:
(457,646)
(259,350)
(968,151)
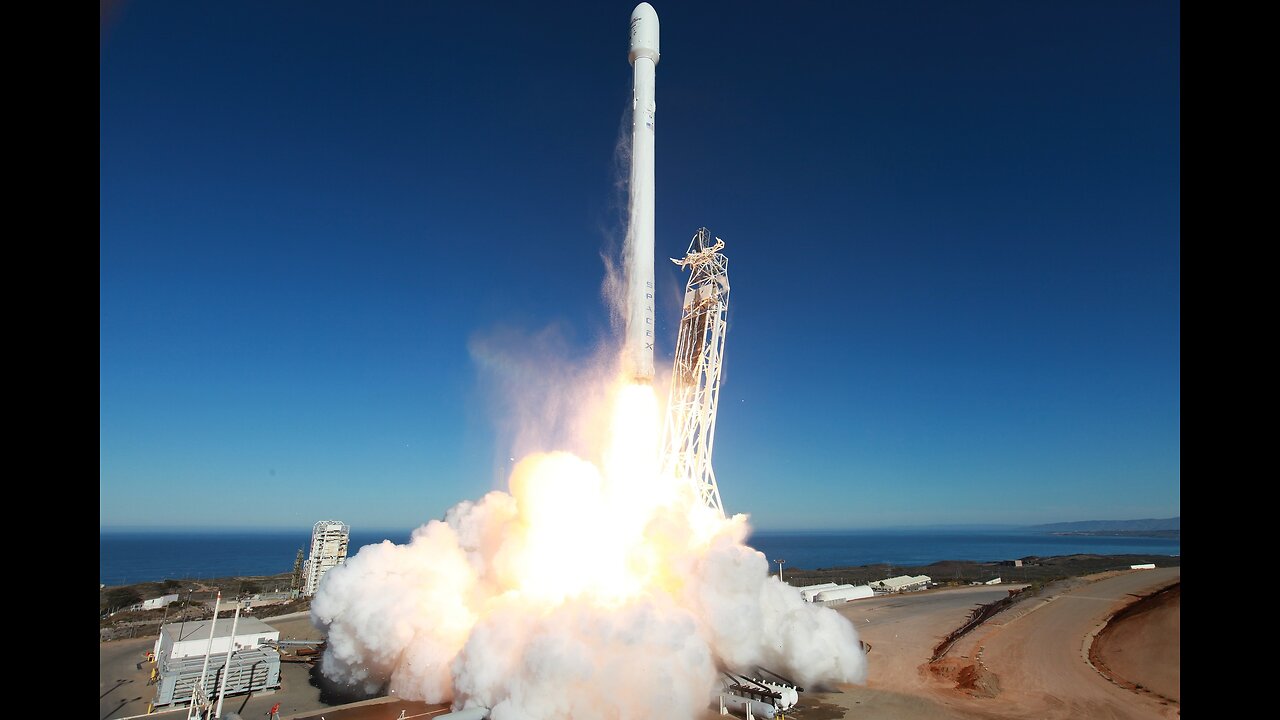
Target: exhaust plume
(594,586)
(586,590)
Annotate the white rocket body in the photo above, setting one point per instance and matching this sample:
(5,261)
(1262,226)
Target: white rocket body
(640,328)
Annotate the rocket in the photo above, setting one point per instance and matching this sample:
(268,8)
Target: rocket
(643,56)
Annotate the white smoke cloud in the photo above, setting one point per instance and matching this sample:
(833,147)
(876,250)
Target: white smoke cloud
(544,394)
(581,660)
(595,587)
(613,286)
(573,596)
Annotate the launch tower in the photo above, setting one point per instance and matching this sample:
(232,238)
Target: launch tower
(329,540)
(695,379)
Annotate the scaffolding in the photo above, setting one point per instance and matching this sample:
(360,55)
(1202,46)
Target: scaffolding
(695,378)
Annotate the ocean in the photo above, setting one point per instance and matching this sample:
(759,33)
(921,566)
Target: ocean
(141,556)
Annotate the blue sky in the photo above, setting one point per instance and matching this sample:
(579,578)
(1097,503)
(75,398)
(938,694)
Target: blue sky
(953,232)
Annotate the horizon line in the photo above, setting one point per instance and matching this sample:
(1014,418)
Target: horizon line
(305,529)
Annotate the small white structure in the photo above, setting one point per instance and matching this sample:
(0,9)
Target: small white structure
(992,581)
(1143,566)
(813,596)
(902,583)
(329,540)
(160,602)
(808,591)
(180,640)
(843,594)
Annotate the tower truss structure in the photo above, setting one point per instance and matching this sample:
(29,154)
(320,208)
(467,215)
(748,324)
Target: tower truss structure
(695,379)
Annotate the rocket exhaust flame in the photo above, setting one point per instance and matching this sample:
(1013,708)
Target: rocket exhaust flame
(590,588)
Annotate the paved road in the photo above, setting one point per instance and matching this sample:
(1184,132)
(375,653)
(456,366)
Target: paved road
(123,687)
(1039,654)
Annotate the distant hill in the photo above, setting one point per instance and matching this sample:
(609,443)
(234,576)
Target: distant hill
(1151,527)
(1173,523)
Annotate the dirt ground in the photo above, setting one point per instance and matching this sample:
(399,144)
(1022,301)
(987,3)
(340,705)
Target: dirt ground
(1142,645)
(902,631)
(1027,663)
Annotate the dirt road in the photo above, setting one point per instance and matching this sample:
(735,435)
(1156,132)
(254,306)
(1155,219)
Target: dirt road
(1142,646)
(902,630)
(1038,654)
(1028,663)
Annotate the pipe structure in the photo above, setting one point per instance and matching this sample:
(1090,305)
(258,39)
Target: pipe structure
(198,688)
(226,667)
(747,705)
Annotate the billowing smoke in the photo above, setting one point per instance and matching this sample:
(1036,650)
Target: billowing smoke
(592,588)
(595,586)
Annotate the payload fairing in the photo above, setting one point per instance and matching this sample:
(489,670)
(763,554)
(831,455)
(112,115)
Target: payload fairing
(639,263)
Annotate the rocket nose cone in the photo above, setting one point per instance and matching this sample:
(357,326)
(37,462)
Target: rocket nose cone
(644,33)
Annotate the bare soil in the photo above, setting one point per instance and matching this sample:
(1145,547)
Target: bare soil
(968,677)
(1026,663)
(1141,646)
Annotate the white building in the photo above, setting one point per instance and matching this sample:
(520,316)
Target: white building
(160,602)
(180,640)
(1143,566)
(902,583)
(808,591)
(329,540)
(843,594)
(180,658)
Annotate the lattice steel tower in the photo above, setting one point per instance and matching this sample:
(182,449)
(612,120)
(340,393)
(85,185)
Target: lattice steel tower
(695,380)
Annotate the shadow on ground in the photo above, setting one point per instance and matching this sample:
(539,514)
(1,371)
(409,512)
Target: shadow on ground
(335,693)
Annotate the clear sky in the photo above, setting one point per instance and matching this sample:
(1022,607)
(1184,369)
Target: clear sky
(953,232)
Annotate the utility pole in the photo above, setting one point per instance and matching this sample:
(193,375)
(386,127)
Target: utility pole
(185,607)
